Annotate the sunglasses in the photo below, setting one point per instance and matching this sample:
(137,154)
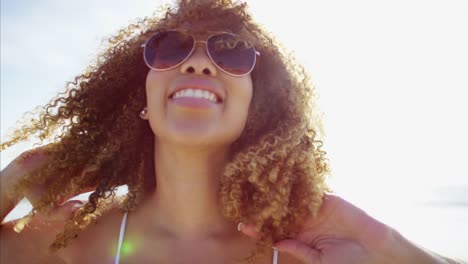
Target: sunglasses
(230,53)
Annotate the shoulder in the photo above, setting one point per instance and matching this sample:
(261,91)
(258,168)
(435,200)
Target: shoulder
(94,243)
(99,240)
(31,243)
(287,258)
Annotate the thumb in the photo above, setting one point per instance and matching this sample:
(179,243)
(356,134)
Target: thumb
(249,230)
(299,250)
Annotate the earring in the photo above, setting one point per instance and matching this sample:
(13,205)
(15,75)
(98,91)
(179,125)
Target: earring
(143,113)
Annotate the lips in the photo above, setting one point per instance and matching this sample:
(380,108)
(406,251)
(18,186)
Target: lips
(200,84)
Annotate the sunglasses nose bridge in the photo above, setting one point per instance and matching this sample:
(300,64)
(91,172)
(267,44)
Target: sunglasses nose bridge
(203,47)
(199,61)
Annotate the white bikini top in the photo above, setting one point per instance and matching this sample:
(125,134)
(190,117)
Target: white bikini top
(122,233)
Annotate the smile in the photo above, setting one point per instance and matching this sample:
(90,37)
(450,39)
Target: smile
(195,98)
(196,93)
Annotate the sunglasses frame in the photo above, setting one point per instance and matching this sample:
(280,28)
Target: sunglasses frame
(257,53)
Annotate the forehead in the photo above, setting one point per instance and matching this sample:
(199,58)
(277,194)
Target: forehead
(201,31)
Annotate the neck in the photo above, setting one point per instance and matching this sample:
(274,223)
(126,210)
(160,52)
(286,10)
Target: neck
(186,202)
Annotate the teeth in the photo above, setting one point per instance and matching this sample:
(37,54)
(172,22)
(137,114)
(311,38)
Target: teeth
(195,93)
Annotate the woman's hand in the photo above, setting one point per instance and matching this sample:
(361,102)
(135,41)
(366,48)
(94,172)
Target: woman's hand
(9,177)
(343,233)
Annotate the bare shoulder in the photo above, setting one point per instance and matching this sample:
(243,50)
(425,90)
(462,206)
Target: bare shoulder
(287,258)
(98,242)
(33,242)
(30,244)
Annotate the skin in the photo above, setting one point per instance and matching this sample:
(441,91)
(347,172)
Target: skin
(183,214)
(343,233)
(197,141)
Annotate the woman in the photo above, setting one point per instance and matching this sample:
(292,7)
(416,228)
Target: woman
(213,127)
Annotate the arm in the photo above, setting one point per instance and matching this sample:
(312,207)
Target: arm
(9,177)
(25,162)
(400,250)
(343,233)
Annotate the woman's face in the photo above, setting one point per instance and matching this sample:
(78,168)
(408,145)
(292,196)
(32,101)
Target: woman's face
(183,119)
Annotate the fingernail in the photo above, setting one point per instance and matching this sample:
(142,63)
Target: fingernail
(239,226)
(78,205)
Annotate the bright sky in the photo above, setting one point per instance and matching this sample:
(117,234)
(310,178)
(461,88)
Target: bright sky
(392,78)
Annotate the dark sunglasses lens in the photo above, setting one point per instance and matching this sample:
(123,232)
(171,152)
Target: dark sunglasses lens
(167,49)
(231,53)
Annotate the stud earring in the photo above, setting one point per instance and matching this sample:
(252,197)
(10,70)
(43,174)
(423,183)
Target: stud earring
(143,113)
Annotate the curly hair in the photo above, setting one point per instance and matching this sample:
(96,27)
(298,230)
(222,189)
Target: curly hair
(275,176)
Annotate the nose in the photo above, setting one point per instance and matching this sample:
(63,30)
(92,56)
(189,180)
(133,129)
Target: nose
(199,62)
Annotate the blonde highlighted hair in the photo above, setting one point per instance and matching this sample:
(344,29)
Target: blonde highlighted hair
(276,173)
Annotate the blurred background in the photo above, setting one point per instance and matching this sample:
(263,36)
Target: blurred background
(391,78)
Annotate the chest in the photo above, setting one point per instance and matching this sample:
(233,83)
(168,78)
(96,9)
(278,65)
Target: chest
(137,248)
(141,250)
(182,257)
(99,244)
(200,255)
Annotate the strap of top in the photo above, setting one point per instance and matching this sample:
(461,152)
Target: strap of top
(121,237)
(275,256)
(122,233)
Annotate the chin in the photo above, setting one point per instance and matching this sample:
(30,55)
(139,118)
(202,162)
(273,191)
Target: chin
(198,136)
(197,131)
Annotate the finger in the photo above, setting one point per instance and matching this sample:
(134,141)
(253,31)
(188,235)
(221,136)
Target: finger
(299,250)
(249,230)
(61,213)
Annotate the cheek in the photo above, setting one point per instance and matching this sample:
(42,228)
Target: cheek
(155,102)
(239,106)
(155,83)
(246,94)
